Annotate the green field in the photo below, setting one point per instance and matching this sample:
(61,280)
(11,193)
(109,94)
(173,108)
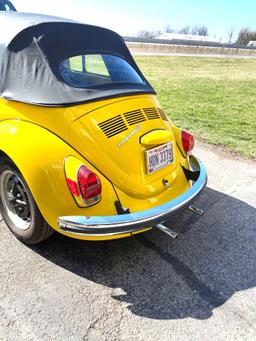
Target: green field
(215,98)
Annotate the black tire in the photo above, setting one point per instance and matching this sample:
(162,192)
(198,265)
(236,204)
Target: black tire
(24,220)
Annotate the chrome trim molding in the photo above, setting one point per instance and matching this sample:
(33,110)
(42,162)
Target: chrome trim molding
(133,222)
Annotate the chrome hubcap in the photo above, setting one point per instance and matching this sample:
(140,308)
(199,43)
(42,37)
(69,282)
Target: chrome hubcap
(15,199)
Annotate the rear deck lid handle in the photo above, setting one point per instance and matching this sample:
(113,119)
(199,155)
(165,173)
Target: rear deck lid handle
(156,137)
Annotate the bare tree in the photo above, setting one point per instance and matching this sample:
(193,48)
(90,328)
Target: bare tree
(169,29)
(145,34)
(157,33)
(194,30)
(148,34)
(231,33)
(200,30)
(245,35)
(185,30)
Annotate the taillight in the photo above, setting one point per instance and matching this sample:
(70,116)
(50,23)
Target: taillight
(72,185)
(83,183)
(188,141)
(89,185)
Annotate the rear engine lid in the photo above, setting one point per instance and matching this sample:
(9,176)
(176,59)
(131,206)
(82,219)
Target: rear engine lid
(117,139)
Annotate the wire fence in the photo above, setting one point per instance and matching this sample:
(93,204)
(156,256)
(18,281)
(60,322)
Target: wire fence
(186,42)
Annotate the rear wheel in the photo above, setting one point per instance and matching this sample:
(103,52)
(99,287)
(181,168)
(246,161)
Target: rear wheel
(18,207)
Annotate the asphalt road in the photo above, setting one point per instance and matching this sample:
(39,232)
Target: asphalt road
(201,286)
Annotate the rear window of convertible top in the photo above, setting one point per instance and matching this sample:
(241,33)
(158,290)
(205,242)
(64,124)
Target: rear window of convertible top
(92,70)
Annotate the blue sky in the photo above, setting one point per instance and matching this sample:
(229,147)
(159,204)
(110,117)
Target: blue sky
(127,17)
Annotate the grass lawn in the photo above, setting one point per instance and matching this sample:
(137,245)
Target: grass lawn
(215,98)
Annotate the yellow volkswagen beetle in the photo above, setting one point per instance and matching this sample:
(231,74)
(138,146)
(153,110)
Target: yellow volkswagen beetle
(85,147)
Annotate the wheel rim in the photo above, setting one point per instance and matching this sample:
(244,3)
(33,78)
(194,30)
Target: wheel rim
(15,200)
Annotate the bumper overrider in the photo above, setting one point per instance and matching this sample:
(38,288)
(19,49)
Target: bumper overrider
(133,222)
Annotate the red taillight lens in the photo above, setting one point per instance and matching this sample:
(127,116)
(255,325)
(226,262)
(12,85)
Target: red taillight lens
(188,141)
(72,187)
(89,184)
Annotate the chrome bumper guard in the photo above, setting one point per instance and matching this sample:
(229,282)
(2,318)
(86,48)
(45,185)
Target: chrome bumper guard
(133,222)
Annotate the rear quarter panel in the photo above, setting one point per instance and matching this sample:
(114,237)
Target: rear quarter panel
(39,155)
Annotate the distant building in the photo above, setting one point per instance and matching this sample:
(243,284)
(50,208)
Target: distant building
(190,37)
(252,43)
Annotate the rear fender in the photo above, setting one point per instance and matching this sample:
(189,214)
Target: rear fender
(40,155)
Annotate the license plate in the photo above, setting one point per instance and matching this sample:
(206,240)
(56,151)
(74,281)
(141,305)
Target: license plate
(159,157)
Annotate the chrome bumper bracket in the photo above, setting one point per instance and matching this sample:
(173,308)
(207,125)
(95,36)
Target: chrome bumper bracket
(167,230)
(196,210)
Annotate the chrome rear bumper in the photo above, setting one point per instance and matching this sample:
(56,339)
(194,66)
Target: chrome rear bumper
(133,222)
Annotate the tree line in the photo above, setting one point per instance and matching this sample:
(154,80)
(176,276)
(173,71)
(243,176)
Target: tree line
(244,36)
(195,30)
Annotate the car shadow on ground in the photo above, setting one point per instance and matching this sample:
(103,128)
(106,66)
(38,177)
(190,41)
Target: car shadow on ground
(160,278)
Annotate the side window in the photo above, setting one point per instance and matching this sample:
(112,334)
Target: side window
(94,63)
(76,63)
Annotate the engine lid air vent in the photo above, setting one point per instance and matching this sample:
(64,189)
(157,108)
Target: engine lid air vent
(134,117)
(113,126)
(162,114)
(151,113)
(120,123)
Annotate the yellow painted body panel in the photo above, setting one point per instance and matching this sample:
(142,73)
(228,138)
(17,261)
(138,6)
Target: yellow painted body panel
(38,140)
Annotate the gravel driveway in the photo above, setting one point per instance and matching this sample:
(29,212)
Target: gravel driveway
(201,286)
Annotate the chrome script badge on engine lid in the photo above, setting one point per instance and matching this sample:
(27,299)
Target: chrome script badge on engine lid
(159,157)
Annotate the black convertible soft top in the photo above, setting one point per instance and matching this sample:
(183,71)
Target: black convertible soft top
(32,46)
(6,5)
